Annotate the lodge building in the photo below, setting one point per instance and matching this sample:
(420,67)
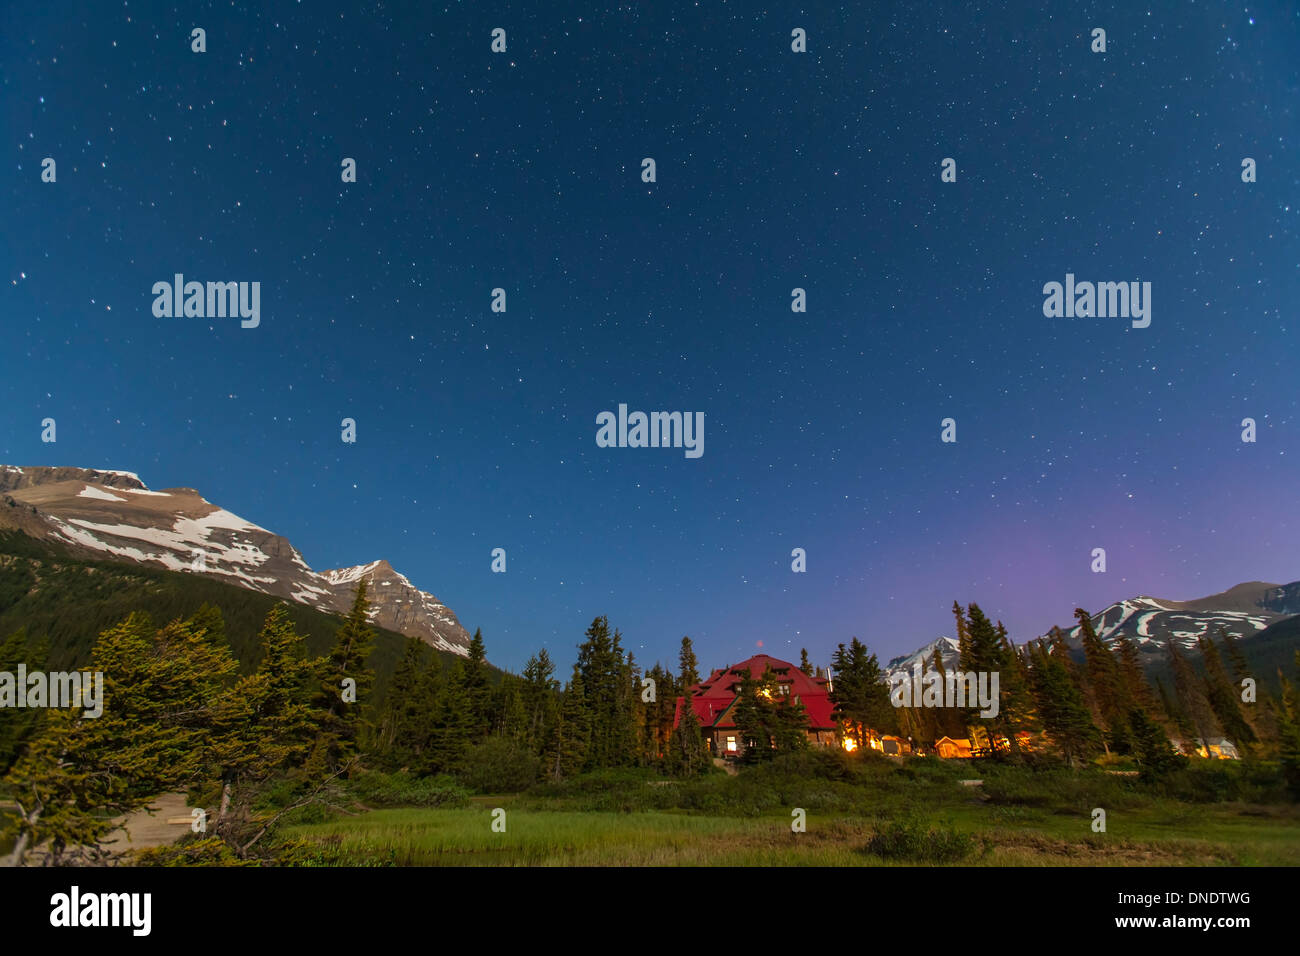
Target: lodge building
(713,700)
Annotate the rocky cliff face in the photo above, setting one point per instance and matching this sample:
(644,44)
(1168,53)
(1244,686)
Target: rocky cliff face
(399,605)
(112,515)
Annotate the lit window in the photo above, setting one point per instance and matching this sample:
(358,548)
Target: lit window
(731,744)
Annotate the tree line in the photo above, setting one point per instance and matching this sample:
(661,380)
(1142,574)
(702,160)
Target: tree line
(179,716)
(1103,705)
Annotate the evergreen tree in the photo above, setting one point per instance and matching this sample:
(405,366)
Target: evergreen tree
(606,680)
(396,740)
(568,750)
(1136,689)
(1154,753)
(1222,697)
(1061,705)
(540,698)
(210,622)
(1289,732)
(343,673)
(477,687)
(1190,697)
(162,697)
(265,729)
(687,753)
(1178,717)
(688,670)
(860,698)
(512,716)
(1105,685)
(1236,659)
(769,721)
(454,729)
(949,721)
(804,664)
(19,725)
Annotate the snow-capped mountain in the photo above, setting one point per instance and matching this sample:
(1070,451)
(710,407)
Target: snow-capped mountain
(400,606)
(112,515)
(946,646)
(1243,611)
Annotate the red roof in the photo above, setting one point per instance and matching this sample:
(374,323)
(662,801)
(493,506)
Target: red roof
(712,698)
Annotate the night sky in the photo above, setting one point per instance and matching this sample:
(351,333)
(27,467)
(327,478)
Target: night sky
(775,170)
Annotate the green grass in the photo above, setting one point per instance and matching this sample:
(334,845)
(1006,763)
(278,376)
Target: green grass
(1161,834)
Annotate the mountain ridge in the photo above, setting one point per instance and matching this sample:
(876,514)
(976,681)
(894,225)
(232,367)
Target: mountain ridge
(109,513)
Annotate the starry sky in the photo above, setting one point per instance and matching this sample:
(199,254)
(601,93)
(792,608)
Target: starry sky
(775,170)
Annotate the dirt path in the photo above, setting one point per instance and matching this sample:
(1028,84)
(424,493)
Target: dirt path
(140,830)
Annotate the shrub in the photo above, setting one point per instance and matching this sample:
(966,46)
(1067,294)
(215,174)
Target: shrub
(403,790)
(909,839)
(497,765)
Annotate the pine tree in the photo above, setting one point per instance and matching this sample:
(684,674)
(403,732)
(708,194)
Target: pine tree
(163,694)
(964,651)
(804,664)
(1154,753)
(567,752)
(1236,659)
(1289,732)
(454,729)
(1061,705)
(687,752)
(1105,686)
(540,698)
(688,670)
(210,622)
(477,687)
(512,716)
(860,698)
(265,729)
(1190,697)
(18,726)
(400,705)
(769,721)
(606,682)
(1222,697)
(342,673)
(949,721)
(1137,690)
(1178,717)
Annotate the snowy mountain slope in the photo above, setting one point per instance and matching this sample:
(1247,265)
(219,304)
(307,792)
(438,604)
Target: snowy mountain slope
(947,647)
(1151,623)
(112,515)
(400,606)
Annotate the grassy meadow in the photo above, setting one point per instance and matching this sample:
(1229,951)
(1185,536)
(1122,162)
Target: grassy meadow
(873,812)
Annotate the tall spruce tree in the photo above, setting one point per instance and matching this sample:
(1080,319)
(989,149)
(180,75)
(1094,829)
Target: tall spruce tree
(687,753)
(860,698)
(540,693)
(1105,685)
(688,668)
(567,753)
(1191,698)
(1062,708)
(606,680)
(267,728)
(1222,697)
(345,683)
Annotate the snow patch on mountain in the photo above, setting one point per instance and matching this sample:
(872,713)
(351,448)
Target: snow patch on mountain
(91,491)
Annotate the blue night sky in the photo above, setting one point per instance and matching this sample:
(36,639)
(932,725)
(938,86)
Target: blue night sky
(775,170)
